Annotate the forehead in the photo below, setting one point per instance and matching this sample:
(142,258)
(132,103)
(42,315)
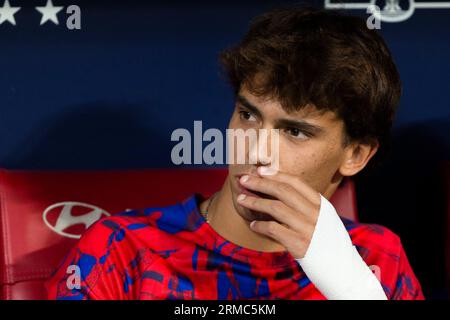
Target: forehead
(271,108)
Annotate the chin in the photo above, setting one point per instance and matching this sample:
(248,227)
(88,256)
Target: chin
(250,215)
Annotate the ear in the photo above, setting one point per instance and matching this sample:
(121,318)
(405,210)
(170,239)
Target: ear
(356,157)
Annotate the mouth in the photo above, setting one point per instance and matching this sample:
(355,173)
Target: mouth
(252,193)
(254,215)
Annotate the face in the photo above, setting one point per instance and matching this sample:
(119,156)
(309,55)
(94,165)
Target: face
(310,144)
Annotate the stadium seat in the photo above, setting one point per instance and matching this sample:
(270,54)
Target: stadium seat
(43,213)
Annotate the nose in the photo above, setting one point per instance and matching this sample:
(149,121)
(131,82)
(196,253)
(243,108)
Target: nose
(264,151)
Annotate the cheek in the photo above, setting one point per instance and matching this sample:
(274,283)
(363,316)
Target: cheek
(298,161)
(302,164)
(313,165)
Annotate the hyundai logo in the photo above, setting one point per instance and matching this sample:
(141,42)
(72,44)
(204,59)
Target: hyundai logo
(61,216)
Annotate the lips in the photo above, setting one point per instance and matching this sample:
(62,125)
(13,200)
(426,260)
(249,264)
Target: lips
(249,192)
(255,215)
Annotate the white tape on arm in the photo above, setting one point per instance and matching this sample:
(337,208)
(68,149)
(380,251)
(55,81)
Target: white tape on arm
(334,265)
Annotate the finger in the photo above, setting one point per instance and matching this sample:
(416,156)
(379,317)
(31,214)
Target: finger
(276,209)
(297,183)
(282,191)
(293,241)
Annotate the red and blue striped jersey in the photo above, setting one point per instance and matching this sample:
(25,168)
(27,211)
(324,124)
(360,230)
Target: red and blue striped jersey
(173,253)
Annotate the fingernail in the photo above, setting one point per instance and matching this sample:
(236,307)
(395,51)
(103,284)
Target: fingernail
(241,197)
(244,179)
(266,171)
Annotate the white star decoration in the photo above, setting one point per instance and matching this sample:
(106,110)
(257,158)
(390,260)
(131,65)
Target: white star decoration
(49,12)
(7,13)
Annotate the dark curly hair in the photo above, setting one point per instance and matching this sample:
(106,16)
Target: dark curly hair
(303,55)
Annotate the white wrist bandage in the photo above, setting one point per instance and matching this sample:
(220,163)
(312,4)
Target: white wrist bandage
(334,265)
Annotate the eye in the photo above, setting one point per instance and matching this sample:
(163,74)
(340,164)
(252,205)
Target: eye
(247,116)
(297,133)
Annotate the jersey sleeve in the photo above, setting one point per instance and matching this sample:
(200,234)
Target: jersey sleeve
(383,252)
(406,286)
(92,269)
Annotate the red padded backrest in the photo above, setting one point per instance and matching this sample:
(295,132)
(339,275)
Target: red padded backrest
(34,239)
(344,200)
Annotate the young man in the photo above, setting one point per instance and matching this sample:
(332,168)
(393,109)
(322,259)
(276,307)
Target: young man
(331,88)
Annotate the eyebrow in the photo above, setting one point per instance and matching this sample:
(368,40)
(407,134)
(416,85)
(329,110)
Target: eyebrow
(300,124)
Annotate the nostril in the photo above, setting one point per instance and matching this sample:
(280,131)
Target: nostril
(263,162)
